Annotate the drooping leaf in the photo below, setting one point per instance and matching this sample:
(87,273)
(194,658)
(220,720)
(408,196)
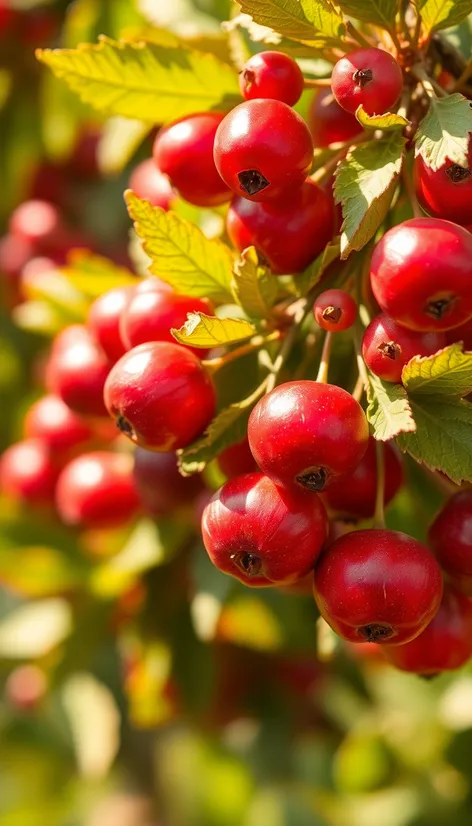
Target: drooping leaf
(144,81)
(118,143)
(447,373)
(181,255)
(440,14)
(312,275)
(312,21)
(444,132)
(377,12)
(385,122)
(253,287)
(92,275)
(365,183)
(389,412)
(205,331)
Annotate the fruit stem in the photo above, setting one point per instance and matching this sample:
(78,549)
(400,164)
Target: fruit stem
(430,86)
(417,31)
(379,515)
(341,150)
(258,341)
(316,82)
(359,387)
(411,194)
(286,346)
(358,36)
(325,357)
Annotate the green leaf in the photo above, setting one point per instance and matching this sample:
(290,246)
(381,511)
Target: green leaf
(389,412)
(443,437)
(118,143)
(253,287)
(39,571)
(92,275)
(144,81)
(312,21)
(34,629)
(312,275)
(440,14)
(377,12)
(447,373)
(202,330)
(365,183)
(444,132)
(180,253)
(385,122)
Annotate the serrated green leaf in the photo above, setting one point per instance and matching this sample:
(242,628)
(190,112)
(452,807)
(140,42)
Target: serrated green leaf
(389,412)
(180,254)
(92,275)
(312,275)
(444,132)
(441,14)
(253,287)
(443,437)
(377,12)
(119,141)
(385,122)
(312,21)
(447,373)
(365,183)
(202,330)
(143,81)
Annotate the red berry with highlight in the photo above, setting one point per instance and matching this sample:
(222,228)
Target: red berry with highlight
(370,78)
(104,320)
(152,185)
(387,346)
(77,370)
(29,472)
(335,310)
(271,75)
(161,487)
(328,122)
(450,537)
(445,192)
(52,421)
(37,222)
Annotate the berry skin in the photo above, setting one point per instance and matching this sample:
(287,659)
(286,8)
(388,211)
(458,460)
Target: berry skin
(307,433)
(328,122)
(184,152)
(444,645)
(462,333)
(450,537)
(29,472)
(271,75)
(237,460)
(97,491)
(420,274)
(38,222)
(263,149)
(52,421)
(161,487)
(262,534)
(378,586)
(354,495)
(160,396)
(368,77)
(25,688)
(335,310)
(104,320)
(151,185)
(445,192)
(288,233)
(77,370)
(387,346)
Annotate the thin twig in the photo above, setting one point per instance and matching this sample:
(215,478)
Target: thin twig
(359,389)
(325,357)
(285,348)
(254,344)
(379,515)
(360,38)
(410,191)
(316,82)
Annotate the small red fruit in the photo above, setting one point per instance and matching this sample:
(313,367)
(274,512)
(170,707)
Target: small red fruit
(378,586)
(262,149)
(237,460)
(29,472)
(152,185)
(387,346)
(307,433)
(370,78)
(160,396)
(37,222)
(52,421)
(462,333)
(104,320)
(450,537)
(329,122)
(184,152)
(262,534)
(161,487)
(77,370)
(421,274)
(335,310)
(271,75)
(445,192)
(25,688)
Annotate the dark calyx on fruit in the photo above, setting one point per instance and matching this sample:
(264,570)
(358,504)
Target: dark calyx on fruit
(249,563)
(375,632)
(457,174)
(362,77)
(252,181)
(390,349)
(314,478)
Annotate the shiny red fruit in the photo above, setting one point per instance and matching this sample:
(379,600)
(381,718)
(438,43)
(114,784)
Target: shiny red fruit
(263,149)
(445,192)
(288,233)
(444,645)
(387,346)
(184,152)
(52,421)
(37,222)
(307,433)
(237,460)
(97,491)
(450,537)
(370,78)
(335,310)
(160,396)
(29,472)
(421,274)
(262,534)
(329,122)
(104,320)
(77,370)
(378,586)
(354,495)
(161,487)
(152,185)
(271,75)
(462,333)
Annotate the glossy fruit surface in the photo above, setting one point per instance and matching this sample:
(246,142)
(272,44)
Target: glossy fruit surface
(368,77)
(262,149)
(387,346)
(450,536)
(307,433)
(271,75)
(445,192)
(262,534)
(97,490)
(378,586)
(52,421)
(462,333)
(152,185)
(335,310)
(77,370)
(160,396)
(104,320)
(420,274)
(355,493)
(288,233)
(444,645)
(29,472)
(237,460)
(184,152)
(161,487)
(329,122)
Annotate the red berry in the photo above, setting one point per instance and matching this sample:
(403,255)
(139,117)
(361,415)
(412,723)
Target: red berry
(14,255)
(104,320)
(445,192)
(262,534)
(289,233)
(77,370)
(462,333)
(84,161)
(160,396)
(450,537)
(387,346)
(8,17)
(444,645)
(335,310)
(378,586)
(52,421)
(97,491)
(237,460)
(328,122)
(420,274)
(25,688)
(354,495)
(28,471)
(262,149)
(271,75)
(161,487)
(370,78)
(307,433)
(37,222)
(151,185)
(184,152)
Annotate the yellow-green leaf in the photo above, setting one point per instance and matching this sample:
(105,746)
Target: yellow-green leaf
(312,275)
(444,133)
(377,12)
(92,275)
(205,331)
(385,122)
(389,412)
(312,21)
(440,14)
(118,143)
(254,288)
(39,571)
(35,628)
(447,373)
